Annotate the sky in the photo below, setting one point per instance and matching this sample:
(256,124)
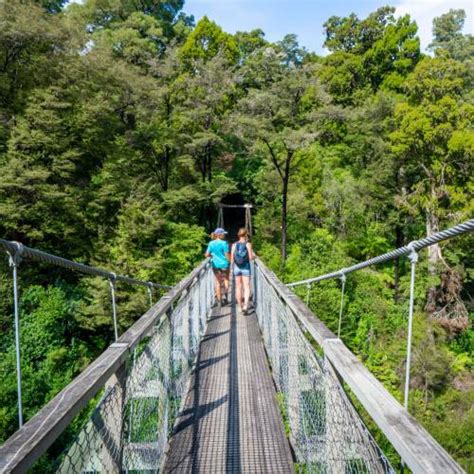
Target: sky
(305,18)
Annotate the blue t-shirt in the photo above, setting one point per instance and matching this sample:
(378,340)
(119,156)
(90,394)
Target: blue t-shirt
(218,248)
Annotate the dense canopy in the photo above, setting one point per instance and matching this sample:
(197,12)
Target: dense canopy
(123,124)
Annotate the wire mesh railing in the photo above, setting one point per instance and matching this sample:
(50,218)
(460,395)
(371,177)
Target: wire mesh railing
(326,432)
(410,250)
(129,428)
(142,378)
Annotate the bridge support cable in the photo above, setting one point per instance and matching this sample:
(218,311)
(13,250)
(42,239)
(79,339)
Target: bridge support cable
(40,256)
(409,250)
(149,289)
(18,252)
(14,262)
(308,293)
(343,287)
(326,432)
(114,304)
(413,261)
(141,379)
(324,419)
(248,215)
(463,228)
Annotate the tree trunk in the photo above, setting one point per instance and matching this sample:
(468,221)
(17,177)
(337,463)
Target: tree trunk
(209,162)
(203,166)
(284,206)
(434,258)
(166,172)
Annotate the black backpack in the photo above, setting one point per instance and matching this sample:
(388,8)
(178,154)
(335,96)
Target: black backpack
(241,254)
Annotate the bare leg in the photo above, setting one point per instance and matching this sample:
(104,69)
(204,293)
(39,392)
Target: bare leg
(217,285)
(238,290)
(246,285)
(226,282)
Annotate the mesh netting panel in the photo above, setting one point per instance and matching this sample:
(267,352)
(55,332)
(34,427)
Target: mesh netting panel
(129,428)
(326,431)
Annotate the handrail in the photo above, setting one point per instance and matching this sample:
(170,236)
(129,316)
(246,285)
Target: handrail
(27,444)
(417,448)
(22,251)
(467,226)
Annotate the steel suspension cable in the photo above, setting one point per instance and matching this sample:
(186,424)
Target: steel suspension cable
(463,228)
(17,248)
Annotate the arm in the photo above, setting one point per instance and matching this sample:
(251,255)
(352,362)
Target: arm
(231,259)
(208,254)
(250,251)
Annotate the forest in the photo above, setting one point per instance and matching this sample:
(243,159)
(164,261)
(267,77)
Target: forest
(124,123)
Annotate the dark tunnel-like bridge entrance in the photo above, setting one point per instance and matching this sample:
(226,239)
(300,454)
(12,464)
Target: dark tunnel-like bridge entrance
(234,213)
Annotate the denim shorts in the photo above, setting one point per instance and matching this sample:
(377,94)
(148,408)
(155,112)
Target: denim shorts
(241,271)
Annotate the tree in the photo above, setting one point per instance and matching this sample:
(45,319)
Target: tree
(377,52)
(204,96)
(433,144)
(351,35)
(31,49)
(294,55)
(448,37)
(278,120)
(104,13)
(42,166)
(52,6)
(206,41)
(138,40)
(249,42)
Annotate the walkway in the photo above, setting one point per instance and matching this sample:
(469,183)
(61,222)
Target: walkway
(231,422)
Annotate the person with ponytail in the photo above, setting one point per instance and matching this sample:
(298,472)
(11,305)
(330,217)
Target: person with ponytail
(241,256)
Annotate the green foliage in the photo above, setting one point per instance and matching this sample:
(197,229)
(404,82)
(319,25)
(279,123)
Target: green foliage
(448,37)
(206,41)
(377,52)
(122,126)
(52,352)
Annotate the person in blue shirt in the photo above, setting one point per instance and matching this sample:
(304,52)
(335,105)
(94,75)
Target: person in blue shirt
(218,251)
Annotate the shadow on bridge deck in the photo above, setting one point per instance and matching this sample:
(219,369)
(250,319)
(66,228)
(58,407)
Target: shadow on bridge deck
(230,422)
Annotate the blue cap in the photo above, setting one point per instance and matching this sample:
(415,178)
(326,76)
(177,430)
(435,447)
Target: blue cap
(220,231)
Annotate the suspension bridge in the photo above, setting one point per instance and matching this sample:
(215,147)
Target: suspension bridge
(193,388)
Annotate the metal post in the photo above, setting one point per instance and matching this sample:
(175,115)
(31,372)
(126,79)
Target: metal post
(114,305)
(220,217)
(343,281)
(413,259)
(248,219)
(14,261)
(150,293)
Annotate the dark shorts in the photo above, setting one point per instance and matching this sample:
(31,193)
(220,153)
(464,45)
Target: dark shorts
(220,271)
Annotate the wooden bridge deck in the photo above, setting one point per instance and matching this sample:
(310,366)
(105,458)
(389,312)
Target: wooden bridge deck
(230,422)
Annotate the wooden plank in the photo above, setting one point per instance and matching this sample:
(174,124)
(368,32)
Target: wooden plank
(318,330)
(25,446)
(142,327)
(420,451)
